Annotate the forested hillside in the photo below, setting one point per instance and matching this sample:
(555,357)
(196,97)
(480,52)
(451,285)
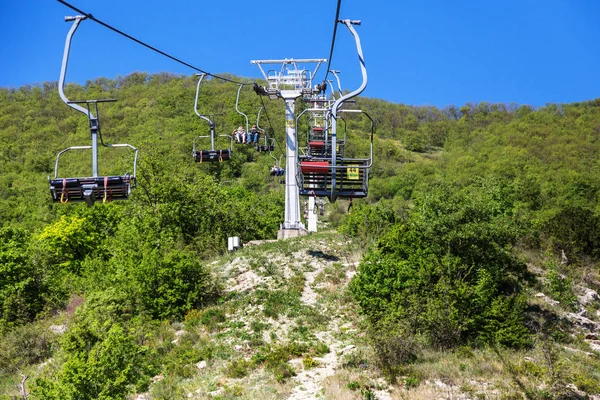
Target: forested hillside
(480,233)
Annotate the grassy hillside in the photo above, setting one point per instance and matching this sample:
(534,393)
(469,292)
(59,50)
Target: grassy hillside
(472,268)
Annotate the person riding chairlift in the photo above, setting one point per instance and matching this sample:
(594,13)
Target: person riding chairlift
(276,171)
(239,134)
(253,135)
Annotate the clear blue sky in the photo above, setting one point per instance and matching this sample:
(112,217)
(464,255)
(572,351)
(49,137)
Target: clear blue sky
(435,52)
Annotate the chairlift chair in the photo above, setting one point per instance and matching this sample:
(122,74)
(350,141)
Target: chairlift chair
(268,146)
(318,143)
(318,139)
(202,154)
(330,175)
(90,188)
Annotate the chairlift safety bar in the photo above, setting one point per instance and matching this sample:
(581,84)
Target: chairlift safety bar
(135,158)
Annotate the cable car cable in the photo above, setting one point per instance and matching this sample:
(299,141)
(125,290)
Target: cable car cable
(104,24)
(335,24)
(271,126)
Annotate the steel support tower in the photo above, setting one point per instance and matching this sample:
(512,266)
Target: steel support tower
(289,83)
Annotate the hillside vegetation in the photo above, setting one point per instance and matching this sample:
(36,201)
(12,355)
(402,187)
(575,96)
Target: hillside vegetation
(472,268)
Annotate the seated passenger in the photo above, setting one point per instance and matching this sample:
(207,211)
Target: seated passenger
(253,135)
(239,134)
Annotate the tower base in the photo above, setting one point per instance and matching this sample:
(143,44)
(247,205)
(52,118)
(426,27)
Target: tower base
(291,233)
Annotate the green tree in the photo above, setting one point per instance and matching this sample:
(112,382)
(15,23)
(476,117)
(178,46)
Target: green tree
(447,274)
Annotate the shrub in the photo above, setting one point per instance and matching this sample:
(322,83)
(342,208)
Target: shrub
(23,288)
(410,382)
(573,229)
(368,222)
(394,349)
(560,286)
(237,368)
(168,388)
(446,275)
(353,385)
(171,283)
(282,371)
(26,345)
(308,362)
(99,368)
(212,318)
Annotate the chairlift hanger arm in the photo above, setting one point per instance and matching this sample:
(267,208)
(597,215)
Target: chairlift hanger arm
(237,101)
(104,24)
(363,68)
(336,105)
(65,61)
(258,119)
(211,123)
(335,73)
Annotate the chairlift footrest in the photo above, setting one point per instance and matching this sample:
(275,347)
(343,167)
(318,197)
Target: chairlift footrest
(212,155)
(106,188)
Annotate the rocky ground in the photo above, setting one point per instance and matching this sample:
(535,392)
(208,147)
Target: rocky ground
(289,299)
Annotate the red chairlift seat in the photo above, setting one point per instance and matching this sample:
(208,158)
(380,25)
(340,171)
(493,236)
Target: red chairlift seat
(314,167)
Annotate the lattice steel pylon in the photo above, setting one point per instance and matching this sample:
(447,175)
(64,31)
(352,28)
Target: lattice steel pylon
(289,83)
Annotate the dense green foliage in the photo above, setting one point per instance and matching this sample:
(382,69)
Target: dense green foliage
(483,187)
(457,197)
(132,263)
(447,274)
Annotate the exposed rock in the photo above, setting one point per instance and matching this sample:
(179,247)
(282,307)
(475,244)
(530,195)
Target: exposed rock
(595,345)
(592,336)
(216,393)
(348,348)
(572,350)
(259,242)
(247,280)
(574,392)
(58,329)
(42,365)
(178,334)
(582,322)
(588,296)
(547,299)
(441,384)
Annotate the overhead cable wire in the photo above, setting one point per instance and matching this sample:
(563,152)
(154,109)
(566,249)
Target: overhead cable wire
(335,25)
(271,126)
(266,111)
(104,24)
